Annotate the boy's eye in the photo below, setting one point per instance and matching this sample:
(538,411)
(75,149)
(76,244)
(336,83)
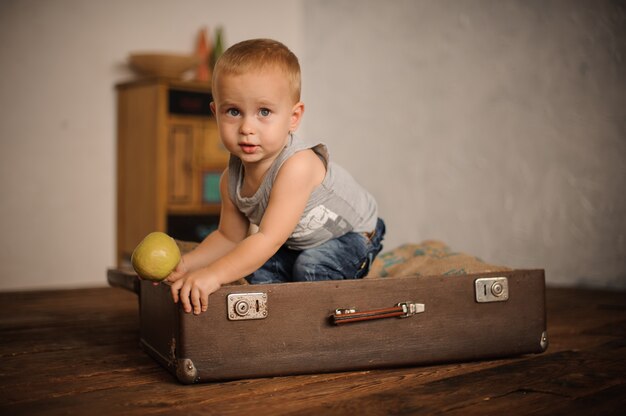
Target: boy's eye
(233,112)
(264,112)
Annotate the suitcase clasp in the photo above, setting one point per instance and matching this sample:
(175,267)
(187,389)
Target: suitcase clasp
(491,289)
(243,306)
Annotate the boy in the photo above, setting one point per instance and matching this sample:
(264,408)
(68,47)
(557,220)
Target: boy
(314,221)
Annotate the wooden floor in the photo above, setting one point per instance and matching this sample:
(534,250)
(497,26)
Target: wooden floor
(77,352)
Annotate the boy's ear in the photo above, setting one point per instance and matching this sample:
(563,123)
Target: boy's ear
(212,105)
(296,116)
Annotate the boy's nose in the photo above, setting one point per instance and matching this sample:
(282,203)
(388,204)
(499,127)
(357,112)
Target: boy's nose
(246,127)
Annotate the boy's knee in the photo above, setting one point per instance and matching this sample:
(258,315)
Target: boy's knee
(267,274)
(308,268)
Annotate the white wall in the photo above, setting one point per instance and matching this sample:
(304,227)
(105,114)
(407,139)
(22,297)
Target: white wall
(498,127)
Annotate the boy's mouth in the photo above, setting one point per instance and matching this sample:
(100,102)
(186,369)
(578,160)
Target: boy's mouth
(248,148)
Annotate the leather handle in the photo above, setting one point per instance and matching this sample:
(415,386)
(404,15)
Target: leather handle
(401,310)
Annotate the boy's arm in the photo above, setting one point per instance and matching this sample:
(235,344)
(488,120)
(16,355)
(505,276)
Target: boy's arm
(233,227)
(295,181)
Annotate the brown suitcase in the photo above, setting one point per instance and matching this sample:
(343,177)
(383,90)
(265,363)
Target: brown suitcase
(295,328)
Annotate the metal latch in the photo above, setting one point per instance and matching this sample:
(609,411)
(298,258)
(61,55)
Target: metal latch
(491,289)
(242,306)
(410,308)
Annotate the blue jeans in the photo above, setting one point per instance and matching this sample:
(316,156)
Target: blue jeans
(345,257)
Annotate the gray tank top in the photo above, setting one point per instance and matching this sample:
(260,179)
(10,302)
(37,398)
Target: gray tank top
(337,206)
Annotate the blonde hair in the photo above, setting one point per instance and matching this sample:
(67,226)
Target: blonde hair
(258,54)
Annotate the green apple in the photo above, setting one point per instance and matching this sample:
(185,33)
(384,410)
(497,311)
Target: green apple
(155,257)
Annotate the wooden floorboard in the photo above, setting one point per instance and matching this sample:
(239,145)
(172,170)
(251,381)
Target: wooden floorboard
(77,352)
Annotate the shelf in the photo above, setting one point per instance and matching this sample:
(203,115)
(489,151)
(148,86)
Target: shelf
(209,209)
(171,82)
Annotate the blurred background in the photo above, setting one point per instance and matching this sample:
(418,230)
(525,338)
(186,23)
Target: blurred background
(497,127)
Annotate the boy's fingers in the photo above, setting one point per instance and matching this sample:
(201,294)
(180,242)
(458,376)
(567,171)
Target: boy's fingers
(195,300)
(174,289)
(174,277)
(184,297)
(204,300)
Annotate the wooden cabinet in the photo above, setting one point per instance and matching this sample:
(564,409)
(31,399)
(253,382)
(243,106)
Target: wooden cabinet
(169,160)
(194,153)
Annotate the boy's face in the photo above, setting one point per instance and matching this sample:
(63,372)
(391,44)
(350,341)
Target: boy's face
(255,113)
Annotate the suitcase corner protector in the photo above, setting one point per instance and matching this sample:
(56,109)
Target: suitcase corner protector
(544,342)
(186,371)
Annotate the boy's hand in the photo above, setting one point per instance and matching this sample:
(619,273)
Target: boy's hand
(193,291)
(178,273)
